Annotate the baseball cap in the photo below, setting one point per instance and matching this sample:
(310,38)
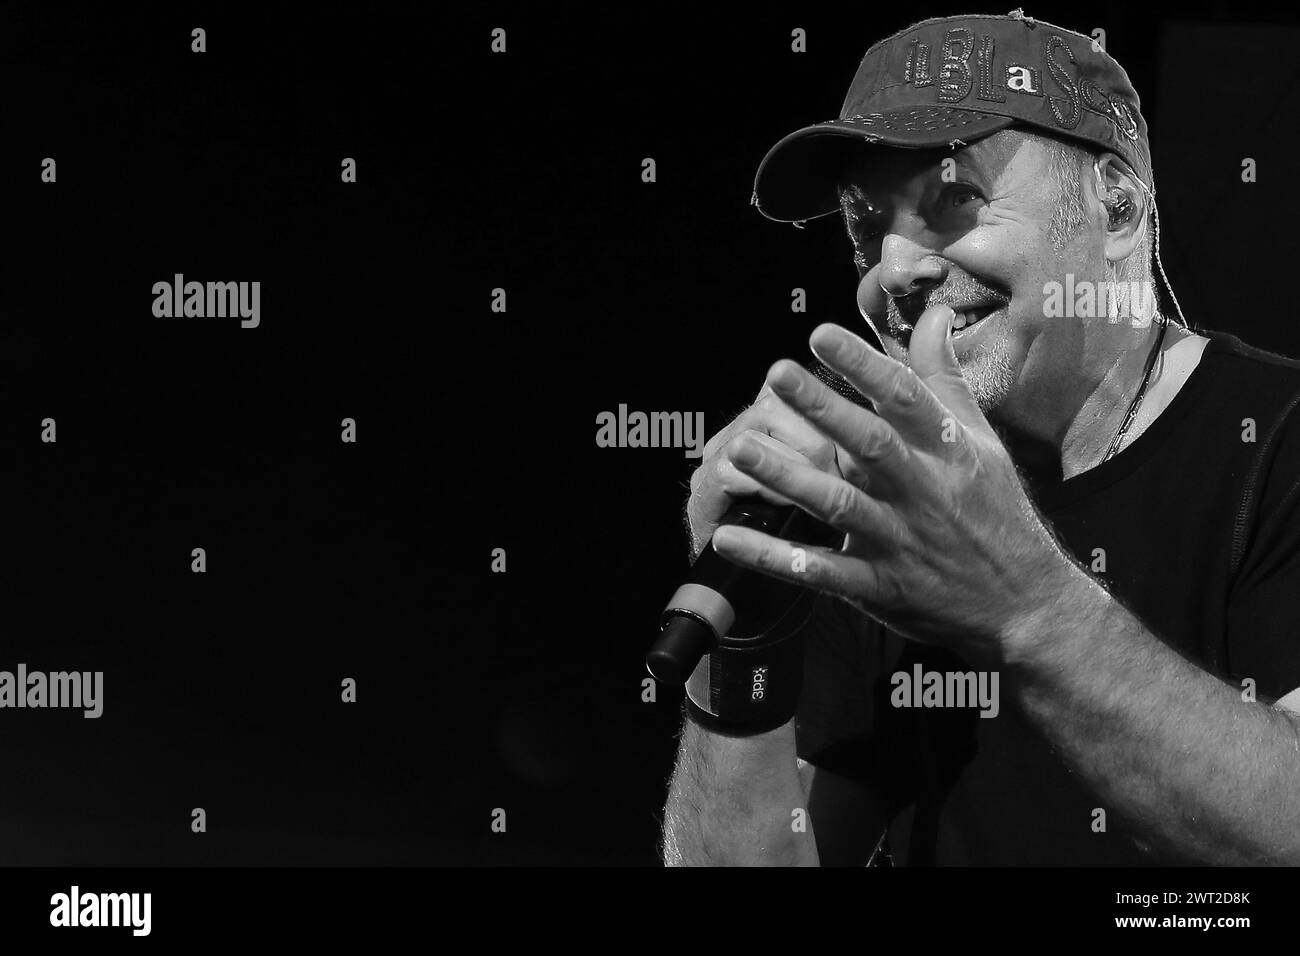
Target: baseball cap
(952,81)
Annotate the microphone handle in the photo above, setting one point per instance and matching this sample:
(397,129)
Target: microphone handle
(724,600)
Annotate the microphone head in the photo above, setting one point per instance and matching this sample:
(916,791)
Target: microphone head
(838,383)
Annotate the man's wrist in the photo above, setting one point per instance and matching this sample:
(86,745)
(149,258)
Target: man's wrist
(1065,597)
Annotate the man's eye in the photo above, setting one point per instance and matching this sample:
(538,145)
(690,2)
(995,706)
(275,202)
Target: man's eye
(867,232)
(957,196)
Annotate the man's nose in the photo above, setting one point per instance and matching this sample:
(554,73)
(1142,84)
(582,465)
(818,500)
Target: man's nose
(907,267)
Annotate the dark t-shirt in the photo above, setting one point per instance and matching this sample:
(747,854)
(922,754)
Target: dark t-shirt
(1199,530)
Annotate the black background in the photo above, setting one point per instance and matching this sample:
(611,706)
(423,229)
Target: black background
(476,691)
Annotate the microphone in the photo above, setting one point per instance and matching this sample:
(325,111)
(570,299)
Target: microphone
(720,599)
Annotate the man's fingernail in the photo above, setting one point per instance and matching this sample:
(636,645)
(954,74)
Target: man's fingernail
(835,342)
(784,378)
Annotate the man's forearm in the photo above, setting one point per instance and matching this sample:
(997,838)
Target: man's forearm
(732,801)
(1202,774)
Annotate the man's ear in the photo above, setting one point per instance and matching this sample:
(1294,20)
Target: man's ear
(1124,204)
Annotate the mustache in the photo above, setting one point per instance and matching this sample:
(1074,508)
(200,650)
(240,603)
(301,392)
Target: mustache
(902,312)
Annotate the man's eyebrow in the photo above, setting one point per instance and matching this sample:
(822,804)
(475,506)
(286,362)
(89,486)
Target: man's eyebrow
(987,158)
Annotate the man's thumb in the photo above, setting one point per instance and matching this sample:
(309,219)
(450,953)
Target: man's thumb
(933,358)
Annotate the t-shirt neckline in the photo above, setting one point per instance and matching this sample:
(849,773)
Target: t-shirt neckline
(1142,448)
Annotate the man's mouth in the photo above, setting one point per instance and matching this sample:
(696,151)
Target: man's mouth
(965,315)
(968,314)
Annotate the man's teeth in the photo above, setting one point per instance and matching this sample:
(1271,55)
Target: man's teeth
(968,317)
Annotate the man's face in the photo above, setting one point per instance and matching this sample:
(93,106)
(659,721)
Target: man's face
(973,234)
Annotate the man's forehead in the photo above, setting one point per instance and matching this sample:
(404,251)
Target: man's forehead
(991,156)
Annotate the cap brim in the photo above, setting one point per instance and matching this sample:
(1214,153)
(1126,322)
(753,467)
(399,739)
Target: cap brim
(796,179)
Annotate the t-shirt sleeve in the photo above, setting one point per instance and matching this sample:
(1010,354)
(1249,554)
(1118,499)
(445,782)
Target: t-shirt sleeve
(840,725)
(1264,601)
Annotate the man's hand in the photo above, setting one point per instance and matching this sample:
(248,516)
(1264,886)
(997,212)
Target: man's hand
(716,483)
(944,544)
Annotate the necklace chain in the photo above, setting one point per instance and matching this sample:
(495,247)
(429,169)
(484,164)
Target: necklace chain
(1141,392)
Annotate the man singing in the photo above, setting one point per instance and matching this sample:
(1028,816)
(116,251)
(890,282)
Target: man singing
(1064,624)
